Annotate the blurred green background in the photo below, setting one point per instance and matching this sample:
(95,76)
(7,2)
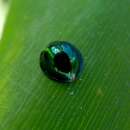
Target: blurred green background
(100,100)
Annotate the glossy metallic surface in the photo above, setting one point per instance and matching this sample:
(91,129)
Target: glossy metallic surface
(61,61)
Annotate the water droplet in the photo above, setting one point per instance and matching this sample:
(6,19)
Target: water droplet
(61,61)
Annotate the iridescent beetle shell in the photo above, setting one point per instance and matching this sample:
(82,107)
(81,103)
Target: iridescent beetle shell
(61,61)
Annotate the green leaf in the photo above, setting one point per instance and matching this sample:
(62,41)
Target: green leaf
(100,100)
